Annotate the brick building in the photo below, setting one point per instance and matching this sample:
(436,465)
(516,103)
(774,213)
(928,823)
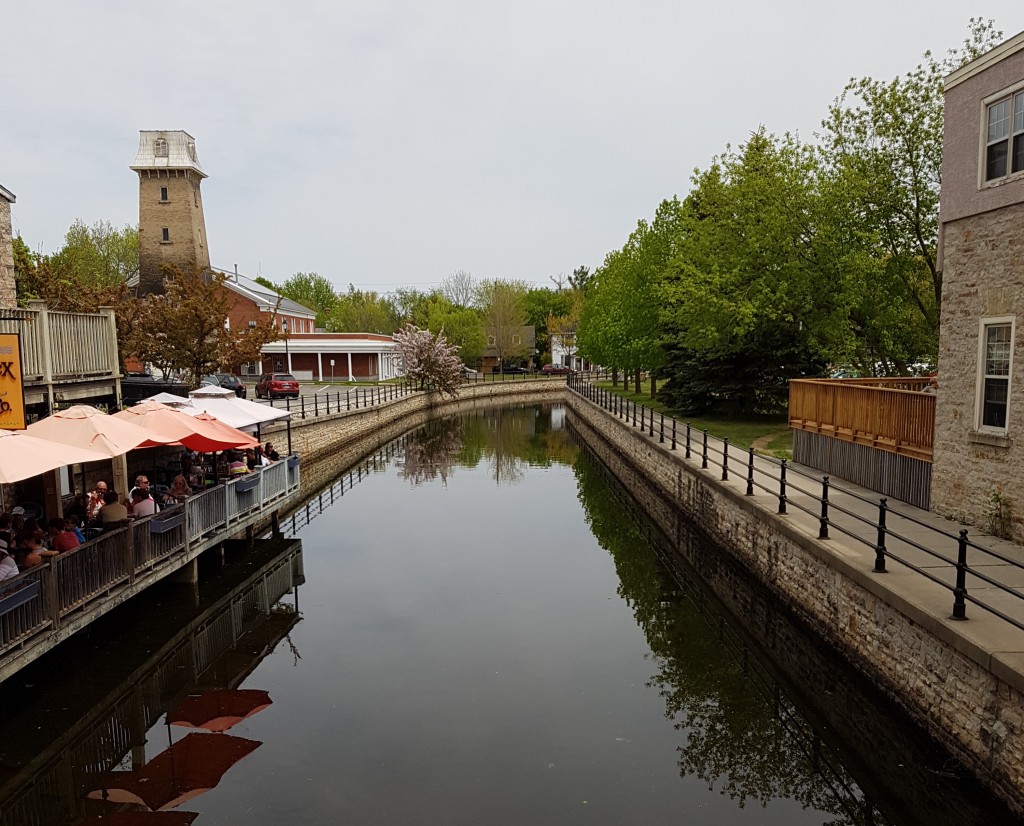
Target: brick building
(172,229)
(979,416)
(8,288)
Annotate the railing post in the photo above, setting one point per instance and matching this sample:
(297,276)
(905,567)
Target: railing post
(750,471)
(650,424)
(725,459)
(883,507)
(782,487)
(704,454)
(643,413)
(687,455)
(302,404)
(287,402)
(634,414)
(51,594)
(661,437)
(357,398)
(348,399)
(673,433)
(316,406)
(129,551)
(823,520)
(960,592)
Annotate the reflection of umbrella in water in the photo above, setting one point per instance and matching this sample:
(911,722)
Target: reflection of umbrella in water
(140,819)
(193,765)
(218,710)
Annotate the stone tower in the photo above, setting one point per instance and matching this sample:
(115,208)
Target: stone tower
(172,229)
(8,290)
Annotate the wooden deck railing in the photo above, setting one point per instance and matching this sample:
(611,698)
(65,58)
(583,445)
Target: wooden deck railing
(44,597)
(889,414)
(63,346)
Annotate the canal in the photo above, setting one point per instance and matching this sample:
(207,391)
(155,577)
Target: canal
(479,627)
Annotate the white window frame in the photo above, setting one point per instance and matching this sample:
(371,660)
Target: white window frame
(979,400)
(986,104)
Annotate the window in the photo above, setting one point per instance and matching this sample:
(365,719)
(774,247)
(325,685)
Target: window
(165,235)
(1004,138)
(163,193)
(517,340)
(252,323)
(491,341)
(160,148)
(994,373)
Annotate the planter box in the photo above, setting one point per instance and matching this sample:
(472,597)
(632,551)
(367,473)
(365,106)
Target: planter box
(247,483)
(25,592)
(162,524)
(293,462)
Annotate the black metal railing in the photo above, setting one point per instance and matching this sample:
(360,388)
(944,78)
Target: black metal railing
(955,553)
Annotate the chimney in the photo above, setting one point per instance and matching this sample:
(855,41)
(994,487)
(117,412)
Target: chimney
(236,273)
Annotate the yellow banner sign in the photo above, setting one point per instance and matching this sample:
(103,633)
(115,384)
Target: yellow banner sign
(12,390)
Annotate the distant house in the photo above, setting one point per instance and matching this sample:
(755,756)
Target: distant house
(979,416)
(517,347)
(564,353)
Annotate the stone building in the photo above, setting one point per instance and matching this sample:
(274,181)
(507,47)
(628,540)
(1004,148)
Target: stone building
(979,415)
(8,290)
(172,229)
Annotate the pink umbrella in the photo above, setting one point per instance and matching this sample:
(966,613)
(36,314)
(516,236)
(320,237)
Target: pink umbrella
(220,709)
(23,455)
(86,426)
(195,432)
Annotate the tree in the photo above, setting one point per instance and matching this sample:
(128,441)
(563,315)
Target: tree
(429,359)
(460,288)
(311,290)
(566,326)
(540,304)
(98,256)
(504,317)
(184,328)
(359,311)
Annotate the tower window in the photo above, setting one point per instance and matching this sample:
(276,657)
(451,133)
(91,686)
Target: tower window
(165,235)
(160,148)
(163,193)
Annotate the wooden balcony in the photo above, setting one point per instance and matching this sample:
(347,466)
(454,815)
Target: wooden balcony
(890,414)
(66,356)
(874,432)
(46,604)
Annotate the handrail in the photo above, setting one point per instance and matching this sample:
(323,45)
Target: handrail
(776,478)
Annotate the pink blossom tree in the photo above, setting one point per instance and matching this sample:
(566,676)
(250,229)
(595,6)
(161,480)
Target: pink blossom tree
(430,360)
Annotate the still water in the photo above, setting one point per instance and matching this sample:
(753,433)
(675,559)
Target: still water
(479,628)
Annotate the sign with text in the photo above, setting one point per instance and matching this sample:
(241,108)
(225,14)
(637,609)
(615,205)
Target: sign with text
(12,391)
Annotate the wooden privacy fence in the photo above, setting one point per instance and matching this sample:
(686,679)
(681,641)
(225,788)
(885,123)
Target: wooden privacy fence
(885,414)
(63,346)
(41,598)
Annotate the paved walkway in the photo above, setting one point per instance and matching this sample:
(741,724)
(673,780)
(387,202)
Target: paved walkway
(915,538)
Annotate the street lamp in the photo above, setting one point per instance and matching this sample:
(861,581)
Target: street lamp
(287,355)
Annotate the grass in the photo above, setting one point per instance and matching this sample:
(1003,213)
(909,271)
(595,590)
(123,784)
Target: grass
(770,434)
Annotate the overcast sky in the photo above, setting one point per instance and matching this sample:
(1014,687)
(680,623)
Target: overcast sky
(392,143)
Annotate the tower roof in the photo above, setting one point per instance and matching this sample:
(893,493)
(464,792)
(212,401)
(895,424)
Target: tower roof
(7,195)
(167,149)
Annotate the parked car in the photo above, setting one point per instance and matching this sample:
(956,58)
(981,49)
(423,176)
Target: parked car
(469,372)
(137,387)
(277,386)
(228,381)
(556,369)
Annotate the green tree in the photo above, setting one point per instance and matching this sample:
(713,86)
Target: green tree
(540,304)
(504,317)
(311,290)
(359,311)
(98,255)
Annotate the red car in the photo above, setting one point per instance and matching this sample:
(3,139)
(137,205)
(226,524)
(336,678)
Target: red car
(555,369)
(277,386)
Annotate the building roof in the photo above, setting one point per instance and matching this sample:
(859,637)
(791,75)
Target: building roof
(266,299)
(7,195)
(178,151)
(982,62)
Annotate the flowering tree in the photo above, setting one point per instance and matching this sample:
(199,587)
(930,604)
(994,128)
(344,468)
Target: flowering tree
(429,359)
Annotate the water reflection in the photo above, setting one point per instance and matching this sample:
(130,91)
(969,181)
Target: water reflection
(95,739)
(749,733)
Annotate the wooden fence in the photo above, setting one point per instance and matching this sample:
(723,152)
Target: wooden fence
(44,597)
(885,414)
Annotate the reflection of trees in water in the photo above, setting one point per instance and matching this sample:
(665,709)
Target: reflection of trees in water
(742,734)
(511,438)
(432,451)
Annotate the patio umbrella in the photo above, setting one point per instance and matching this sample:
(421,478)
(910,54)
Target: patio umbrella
(140,819)
(193,765)
(227,407)
(218,710)
(23,455)
(179,427)
(85,426)
(243,440)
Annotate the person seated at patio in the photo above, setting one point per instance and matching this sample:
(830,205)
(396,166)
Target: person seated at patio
(142,504)
(270,453)
(95,502)
(8,565)
(30,551)
(141,483)
(251,461)
(236,467)
(17,519)
(179,491)
(73,523)
(61,539)
(113,512)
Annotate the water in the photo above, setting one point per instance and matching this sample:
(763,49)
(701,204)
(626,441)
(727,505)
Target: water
(489,632)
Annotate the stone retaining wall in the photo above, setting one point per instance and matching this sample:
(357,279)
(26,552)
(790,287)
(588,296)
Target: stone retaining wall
(973,713)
